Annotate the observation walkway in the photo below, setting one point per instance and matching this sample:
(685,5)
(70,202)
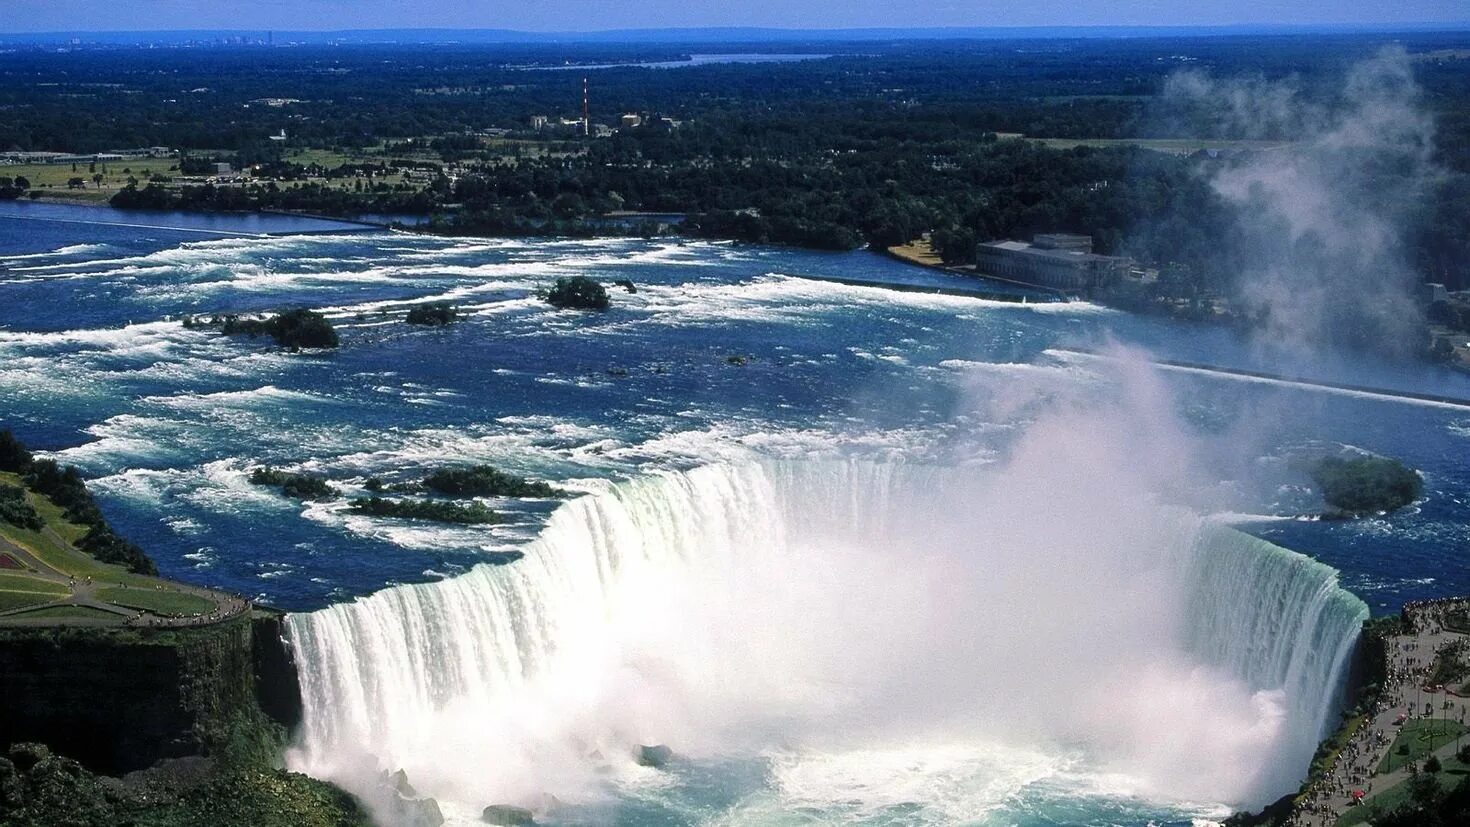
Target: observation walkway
(1415,718)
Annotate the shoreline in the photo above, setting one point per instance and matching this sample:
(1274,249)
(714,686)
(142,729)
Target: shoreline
(918,256)
(1266,376)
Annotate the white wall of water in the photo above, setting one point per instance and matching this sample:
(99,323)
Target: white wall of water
(837,615)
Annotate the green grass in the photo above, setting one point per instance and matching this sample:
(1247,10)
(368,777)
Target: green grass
(54,547)
(62,556)
(52,178)
(1178,146)
(17,600)
(27,583)
(328,158)
(69,613)
(1392,798)
(1423,736)
(166,602)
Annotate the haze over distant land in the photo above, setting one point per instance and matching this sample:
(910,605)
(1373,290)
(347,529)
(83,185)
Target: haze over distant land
(31,16)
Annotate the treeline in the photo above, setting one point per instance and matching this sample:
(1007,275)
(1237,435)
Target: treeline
(355,96)
(872,148)
(64,486)
(306,197)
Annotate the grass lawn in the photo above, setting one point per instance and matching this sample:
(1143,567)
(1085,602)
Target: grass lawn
(1177,146)
(328,158)
(1422,736)
(16,600)
(68,613)
(52,178)
(27,583)
(1390,799)
(169,603)
(60,555)
(54,546)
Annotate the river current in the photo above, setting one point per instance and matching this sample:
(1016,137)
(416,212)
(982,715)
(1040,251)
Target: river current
(729,367)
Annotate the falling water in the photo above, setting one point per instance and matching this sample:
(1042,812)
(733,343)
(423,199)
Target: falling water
(850,627)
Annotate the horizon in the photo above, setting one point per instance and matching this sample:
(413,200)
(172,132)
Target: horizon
(587,17)
(431,35)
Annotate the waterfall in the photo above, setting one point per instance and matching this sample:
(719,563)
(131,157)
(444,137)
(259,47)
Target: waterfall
(828,607)
(1273,617)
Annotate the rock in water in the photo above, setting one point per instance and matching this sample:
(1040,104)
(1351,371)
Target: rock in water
(506,814)
(417,812)
(655,756)
(399,780)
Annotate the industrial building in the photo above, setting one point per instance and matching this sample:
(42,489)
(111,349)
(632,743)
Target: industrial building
(1060,261)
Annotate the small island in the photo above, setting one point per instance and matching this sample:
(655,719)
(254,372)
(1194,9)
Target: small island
(1359,486)
(299,486)
(578,293)
(434,314)
(485,481)
(295,329)
(435,510)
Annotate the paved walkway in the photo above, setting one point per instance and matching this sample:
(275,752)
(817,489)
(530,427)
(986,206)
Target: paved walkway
(1410,663)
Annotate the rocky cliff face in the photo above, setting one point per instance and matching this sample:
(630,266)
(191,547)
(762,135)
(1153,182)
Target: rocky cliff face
(119,700)
(276,686)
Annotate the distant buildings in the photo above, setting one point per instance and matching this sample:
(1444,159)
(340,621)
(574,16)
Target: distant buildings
(1057,260)
(10,158)
(625,122)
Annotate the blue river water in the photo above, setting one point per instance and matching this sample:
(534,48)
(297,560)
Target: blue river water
(95,366)
(724,354)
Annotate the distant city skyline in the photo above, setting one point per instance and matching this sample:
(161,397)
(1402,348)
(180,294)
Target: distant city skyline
(21,16)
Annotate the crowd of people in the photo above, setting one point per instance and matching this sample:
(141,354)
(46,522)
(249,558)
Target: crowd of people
(1404,696)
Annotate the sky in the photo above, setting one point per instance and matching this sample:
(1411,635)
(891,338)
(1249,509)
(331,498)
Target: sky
(18,16)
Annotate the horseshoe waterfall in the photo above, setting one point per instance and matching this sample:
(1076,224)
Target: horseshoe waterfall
(883,643)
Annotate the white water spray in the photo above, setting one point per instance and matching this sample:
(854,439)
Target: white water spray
(929,640)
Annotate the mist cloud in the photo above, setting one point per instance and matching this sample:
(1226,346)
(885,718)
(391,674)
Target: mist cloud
(1318,225)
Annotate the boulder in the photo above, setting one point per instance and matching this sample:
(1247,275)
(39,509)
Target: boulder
(506,814)
(399,782)
(417,812)
(656,756)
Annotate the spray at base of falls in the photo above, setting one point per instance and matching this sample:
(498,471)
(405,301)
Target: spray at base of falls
(828,617)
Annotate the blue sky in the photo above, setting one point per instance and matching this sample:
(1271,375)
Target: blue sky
(584,15)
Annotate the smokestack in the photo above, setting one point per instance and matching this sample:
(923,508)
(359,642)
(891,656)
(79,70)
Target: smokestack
(586,121)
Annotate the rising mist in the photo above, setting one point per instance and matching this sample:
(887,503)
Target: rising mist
(1318,226)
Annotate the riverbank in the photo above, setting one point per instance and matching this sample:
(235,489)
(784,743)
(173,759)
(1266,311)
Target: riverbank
(132,698)
(46,580)
(1411,720)
(920,254)
(61,212)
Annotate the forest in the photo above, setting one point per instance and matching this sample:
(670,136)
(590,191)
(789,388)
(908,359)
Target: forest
(843,150)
